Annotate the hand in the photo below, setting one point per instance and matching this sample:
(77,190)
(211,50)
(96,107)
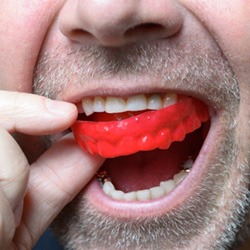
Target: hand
(32,195)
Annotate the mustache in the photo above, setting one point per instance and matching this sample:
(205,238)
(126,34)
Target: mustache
(198,67)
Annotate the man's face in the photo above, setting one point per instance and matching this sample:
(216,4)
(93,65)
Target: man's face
(76,49)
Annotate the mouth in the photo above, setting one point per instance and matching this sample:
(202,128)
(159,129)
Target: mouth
(154,145)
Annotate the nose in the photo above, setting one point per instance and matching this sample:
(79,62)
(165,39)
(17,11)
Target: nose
(119,22)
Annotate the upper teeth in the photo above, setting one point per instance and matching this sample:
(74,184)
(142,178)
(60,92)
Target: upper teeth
(134,103)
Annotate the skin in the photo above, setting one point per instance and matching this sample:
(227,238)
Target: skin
(36,36)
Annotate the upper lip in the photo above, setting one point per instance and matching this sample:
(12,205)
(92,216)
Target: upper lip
(218,97)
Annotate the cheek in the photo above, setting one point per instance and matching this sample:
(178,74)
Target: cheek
(23,25)
(229,24)
(244,123)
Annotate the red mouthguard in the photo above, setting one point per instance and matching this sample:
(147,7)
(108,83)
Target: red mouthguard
(143,132)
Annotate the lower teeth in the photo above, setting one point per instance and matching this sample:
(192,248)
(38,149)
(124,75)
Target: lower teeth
(163,189)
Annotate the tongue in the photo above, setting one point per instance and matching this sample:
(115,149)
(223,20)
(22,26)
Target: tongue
(143,132)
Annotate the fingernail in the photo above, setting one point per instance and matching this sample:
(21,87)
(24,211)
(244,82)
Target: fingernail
(60,107)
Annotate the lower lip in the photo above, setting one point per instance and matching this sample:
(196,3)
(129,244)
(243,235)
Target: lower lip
(123,209)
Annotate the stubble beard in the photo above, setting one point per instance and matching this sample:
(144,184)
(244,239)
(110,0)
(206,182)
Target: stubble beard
(213,217)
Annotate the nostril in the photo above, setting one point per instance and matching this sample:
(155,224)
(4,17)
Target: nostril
(80,32)
(144,28)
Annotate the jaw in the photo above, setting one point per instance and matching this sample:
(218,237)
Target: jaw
(201,205)
(202,199)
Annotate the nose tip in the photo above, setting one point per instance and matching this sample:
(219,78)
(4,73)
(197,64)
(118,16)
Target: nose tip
(119,22)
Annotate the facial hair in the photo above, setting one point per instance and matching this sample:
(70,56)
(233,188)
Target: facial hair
(223,197)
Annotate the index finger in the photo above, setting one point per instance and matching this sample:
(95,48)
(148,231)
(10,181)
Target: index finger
(34,115)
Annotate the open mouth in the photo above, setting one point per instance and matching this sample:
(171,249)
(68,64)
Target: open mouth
(150,141)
